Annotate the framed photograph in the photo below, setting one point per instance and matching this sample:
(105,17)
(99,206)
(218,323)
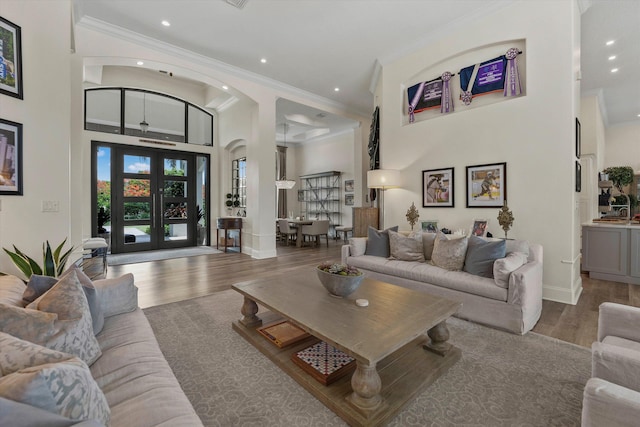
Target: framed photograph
(486,185)
(578,142)
(429,226)
(348,199)
(578,177)
(10,59)
(348,186)
(10,158)
(479,227)
(301,195)
(437,188)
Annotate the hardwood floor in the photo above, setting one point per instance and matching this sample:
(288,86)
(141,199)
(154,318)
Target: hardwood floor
(162,282)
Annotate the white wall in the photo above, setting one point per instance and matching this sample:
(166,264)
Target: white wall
(45,115)
(533,134)
(623,146)
(330,154)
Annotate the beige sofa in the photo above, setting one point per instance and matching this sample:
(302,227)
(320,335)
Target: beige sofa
(514,305)
(134,376)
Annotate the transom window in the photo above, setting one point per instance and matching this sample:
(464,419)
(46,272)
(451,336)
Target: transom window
(146,114)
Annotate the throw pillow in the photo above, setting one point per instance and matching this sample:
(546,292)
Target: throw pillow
(406,248)
(50,380)
(378,242)
(428,240)
(449,254)
(59,320)
(503,267)
(481,254)
(38,285)
(357,246)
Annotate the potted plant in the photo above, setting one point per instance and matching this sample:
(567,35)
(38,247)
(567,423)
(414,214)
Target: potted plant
(339,279)
(53,261)
(201,227)
(622,176)
(229,202)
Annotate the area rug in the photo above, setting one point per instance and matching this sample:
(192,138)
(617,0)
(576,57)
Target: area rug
(501,380)
(146,256)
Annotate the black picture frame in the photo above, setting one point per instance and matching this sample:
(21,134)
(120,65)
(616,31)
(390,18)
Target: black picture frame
(490,177)
(578,177)
(11,158)
(437,188)
(578,139)
(10,59)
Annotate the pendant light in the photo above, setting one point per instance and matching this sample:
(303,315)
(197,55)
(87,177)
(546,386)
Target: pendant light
(144,126)
(284,183)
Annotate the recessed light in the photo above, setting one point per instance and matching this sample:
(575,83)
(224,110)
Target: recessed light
(614,70)
(225,87)
(140,63)
(166,23)
(337,89)
(263,60)
(610,42)
(638,115)
(612,57)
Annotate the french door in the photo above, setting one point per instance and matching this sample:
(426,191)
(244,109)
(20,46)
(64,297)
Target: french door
(153,202)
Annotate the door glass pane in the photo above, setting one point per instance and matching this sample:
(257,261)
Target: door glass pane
(137,210)
(175,167)
(175,210)
(163,115)
(137,187)
(201,198)
(200,127)
(175,189)
(175,232)
(103,192)
(137,164)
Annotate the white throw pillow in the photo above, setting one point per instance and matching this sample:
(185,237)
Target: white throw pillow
(406,248)
(503,267)
(449,254)
(357,246)
(48,379)
(60,320)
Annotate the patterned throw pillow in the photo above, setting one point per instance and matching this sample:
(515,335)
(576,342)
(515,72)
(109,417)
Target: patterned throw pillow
(50,380)
(38,285)
(449,254)
(406,248)
(59,320)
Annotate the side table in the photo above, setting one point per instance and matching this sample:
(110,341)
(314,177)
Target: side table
(228,223)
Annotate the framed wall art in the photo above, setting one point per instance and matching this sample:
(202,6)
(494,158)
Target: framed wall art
(429,226)
(348,186)
(578,139)
(437,188)
(348,199)
(10,158)
(578,177)
(479,227)
(10,59)
(486,185)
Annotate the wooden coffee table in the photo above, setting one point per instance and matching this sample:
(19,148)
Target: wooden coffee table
(399,341)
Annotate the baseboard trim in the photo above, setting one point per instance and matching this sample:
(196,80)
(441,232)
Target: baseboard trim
(563,295)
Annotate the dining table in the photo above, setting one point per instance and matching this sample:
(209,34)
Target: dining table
(298,223)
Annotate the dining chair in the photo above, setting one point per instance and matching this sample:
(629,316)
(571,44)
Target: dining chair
(317,229)
(286,231)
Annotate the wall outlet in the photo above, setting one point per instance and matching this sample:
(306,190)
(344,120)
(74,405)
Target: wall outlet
(50,206)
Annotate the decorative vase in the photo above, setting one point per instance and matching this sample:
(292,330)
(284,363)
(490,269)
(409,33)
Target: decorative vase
(339,285)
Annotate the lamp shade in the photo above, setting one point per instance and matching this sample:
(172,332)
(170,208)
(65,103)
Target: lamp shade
(383,178)
(285,184)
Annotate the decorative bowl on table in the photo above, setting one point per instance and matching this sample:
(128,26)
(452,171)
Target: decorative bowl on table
(339,279)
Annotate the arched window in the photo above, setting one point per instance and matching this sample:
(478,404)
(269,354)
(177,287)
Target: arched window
(147,114)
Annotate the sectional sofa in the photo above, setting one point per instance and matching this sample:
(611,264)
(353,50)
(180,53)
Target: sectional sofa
(83,357)
(498,282)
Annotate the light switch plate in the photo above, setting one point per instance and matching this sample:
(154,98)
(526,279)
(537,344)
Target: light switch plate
(50,206)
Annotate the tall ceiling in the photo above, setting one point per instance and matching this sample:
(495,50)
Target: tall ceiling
(319,45)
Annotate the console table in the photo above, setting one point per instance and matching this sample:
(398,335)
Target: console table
(228,223)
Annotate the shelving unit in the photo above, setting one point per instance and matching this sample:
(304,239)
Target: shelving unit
(321,197)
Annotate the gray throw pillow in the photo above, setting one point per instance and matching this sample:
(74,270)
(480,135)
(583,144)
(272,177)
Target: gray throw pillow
(481,254)
(38,285)
(378,242)
(449,254)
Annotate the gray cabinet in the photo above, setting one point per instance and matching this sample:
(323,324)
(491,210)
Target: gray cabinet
(611,252)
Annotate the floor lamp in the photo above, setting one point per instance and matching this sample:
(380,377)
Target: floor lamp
(383,179)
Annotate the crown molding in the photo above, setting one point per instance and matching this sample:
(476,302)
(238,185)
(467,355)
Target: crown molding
(90,23)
